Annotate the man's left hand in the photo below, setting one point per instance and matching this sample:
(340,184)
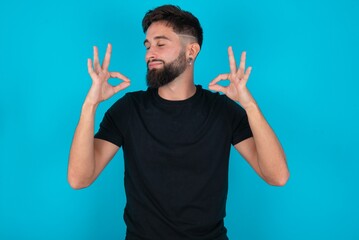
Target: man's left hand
(237,89)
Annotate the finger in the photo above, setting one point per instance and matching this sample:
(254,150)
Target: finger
(106,61)
(246,75)
(119,76)
(218,88)
(96,61)
(220,77)
(242,64)
(232,61)
(89,67)
(121,86)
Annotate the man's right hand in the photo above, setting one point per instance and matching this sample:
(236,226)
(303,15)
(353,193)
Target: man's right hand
(101,89)
(89,156)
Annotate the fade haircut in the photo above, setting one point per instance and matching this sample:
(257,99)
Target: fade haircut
(182,22)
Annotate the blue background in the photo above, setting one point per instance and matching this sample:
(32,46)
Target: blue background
(305,78)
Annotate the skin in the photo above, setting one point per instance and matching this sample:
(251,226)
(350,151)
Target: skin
(89,156)
(167,50)
(263,151)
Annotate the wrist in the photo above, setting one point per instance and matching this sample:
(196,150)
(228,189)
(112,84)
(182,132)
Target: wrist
(251,107)
(89,106)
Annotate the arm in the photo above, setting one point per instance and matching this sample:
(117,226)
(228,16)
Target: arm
(89,156)
(263,152)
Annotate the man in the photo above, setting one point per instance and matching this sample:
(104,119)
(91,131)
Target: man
(176,136)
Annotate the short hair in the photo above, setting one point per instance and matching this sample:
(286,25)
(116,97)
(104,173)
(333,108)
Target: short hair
(182,22)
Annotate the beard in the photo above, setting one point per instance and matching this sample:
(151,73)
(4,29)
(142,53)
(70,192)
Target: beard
(159,77)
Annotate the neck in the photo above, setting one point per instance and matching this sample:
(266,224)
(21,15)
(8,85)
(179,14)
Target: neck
(181,88)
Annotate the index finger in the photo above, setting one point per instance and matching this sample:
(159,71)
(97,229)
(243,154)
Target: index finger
(106,61)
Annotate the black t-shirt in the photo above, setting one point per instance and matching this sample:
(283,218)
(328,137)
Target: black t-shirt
(176,162)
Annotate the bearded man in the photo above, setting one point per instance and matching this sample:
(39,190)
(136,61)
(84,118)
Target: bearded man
(176,136)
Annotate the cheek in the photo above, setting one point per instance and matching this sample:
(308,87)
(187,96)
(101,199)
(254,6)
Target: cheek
(170,54)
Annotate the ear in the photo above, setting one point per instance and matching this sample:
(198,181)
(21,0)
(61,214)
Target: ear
(193,50)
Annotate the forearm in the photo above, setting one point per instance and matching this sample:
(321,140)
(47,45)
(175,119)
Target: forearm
(270,155)
(81,161)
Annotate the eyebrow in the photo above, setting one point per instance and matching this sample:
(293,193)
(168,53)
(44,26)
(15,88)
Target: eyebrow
(156,38)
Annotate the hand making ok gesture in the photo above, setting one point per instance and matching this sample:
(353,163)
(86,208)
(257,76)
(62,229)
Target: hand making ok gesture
(237,89)
(101,89)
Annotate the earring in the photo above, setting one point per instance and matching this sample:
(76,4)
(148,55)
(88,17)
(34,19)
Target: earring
(190,60)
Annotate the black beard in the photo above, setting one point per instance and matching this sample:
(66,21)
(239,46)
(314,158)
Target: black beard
(159,77)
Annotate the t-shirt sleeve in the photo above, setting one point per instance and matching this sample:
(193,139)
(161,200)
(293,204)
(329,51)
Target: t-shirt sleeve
(113,123)
(239,121)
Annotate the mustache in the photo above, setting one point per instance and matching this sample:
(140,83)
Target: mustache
(155,60)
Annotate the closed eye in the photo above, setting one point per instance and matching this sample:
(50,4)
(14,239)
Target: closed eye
(159,41)
(158,45)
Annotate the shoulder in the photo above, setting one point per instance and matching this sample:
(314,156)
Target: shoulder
(214,95)
(209,96)
(130,97)
(226,105)
(139,96)
(130,101)
(221,99)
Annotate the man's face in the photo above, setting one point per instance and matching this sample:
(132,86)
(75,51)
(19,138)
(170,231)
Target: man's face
(165,55)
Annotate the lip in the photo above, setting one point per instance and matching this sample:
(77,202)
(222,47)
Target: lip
(154,64)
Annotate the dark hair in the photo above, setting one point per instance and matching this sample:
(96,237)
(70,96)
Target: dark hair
(181,21)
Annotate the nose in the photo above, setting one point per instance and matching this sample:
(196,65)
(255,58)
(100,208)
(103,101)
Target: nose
(150,54)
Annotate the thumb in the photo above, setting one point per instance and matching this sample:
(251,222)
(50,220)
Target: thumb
(121,86)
